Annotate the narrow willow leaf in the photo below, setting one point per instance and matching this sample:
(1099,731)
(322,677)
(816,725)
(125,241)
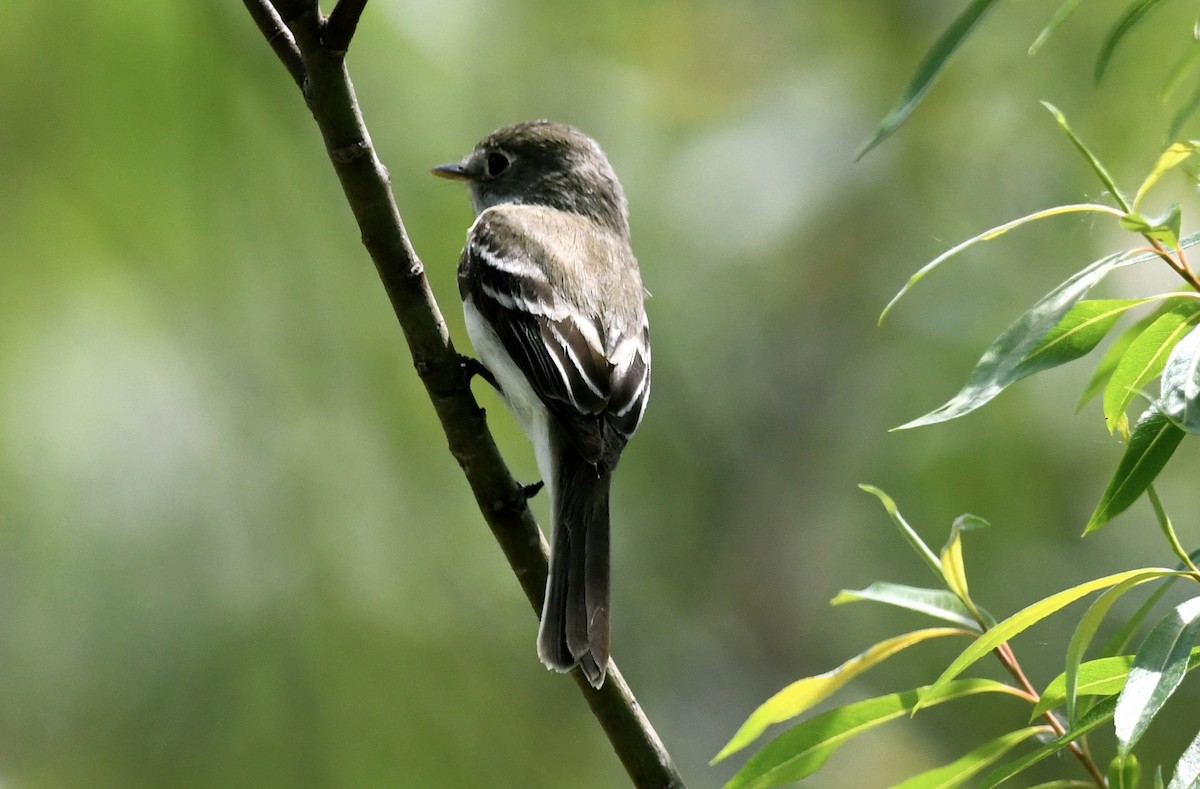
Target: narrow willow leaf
(1179,73)
(1157,670)
(1065,783)
(1082,637)
(1001,363)
(1187,769)
(1180,398)
(1158,779)
(1124,773)
(1185,111)
(1100,170)
(996,232)
(1095,717)
(971,764)
(1146,357)
(1100,677)
(1031,615)
(928,71)
(906,531)
(1164,229)
(1079,331)
(1118,644)
(805,693)
(934,602)
(1134,14)
(1059,17)
(1151,444)
(1116,351)
(1168,160)
(803,749)
(954,570)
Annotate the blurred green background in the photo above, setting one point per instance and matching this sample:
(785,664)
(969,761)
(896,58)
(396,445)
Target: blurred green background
(233,547)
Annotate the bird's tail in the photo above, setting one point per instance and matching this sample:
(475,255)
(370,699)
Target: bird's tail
(575,614)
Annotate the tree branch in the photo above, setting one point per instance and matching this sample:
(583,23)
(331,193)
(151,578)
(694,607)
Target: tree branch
(342,23)
(330,96)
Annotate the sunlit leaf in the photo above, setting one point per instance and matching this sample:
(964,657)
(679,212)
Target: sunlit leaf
(1100,677)
(803,749)
(1118,643)
(968,766)
(1079,331)
(1168,160)
(1059,17)
(1187,769)
(934,602)
(1124,773)
(1133,14)
(1100,170)
(1164,229)
(1082,637)
(954,570)
(906,531)
(995,232)
(1001,363)
(1031,615)
(1151,444)
(1146,357)
(1157,670)
(1116,351)
(805,693)
(1095,717)
(1065,783)
(928,71)
(1180,398)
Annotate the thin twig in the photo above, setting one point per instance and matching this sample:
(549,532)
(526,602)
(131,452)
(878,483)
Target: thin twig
(331,99)
(279,37)
(342,22)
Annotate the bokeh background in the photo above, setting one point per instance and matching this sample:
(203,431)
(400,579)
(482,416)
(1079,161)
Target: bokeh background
(234,550)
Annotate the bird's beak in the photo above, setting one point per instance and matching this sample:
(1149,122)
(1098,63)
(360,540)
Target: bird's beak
(453,171)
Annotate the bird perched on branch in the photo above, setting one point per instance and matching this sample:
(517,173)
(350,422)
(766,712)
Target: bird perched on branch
(553,301)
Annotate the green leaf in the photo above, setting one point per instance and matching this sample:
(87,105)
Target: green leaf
(928,71)
(1164,229)
(1187,769)
(1180,398)
(1095,717)
(1118,643)
(1002,363)
(1180,72)
(803,694)
(1134,14)
(1157,670)
(1065,783)
(966,767)
(1097,167)
(1079,331)
(803,749)
(934,602)
(1100,677)
(1151,444)
(1185,111)
(1168,160)
(1124,773)
(1146,357)
(1059,17)
(953,568)
(1031,615)
(996,232)
(1116,351)
(906,531)
(1086,629)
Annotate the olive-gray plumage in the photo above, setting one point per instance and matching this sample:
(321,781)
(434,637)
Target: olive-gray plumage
(553,301)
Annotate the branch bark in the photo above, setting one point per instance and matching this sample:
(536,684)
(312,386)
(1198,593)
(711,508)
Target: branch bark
(315,57)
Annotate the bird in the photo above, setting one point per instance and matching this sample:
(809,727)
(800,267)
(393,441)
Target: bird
(554,306)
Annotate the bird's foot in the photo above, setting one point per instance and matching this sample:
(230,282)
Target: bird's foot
(473,367)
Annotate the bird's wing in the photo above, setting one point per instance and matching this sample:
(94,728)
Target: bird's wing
(515,283)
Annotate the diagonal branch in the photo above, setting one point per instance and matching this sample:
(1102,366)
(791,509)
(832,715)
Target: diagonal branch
(330,96)
(279,37)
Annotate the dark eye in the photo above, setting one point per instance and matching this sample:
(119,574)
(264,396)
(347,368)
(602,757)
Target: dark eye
(496,163)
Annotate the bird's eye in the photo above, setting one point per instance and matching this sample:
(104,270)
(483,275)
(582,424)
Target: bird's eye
(496,163)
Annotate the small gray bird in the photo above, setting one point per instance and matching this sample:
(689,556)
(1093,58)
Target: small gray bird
(554,306)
